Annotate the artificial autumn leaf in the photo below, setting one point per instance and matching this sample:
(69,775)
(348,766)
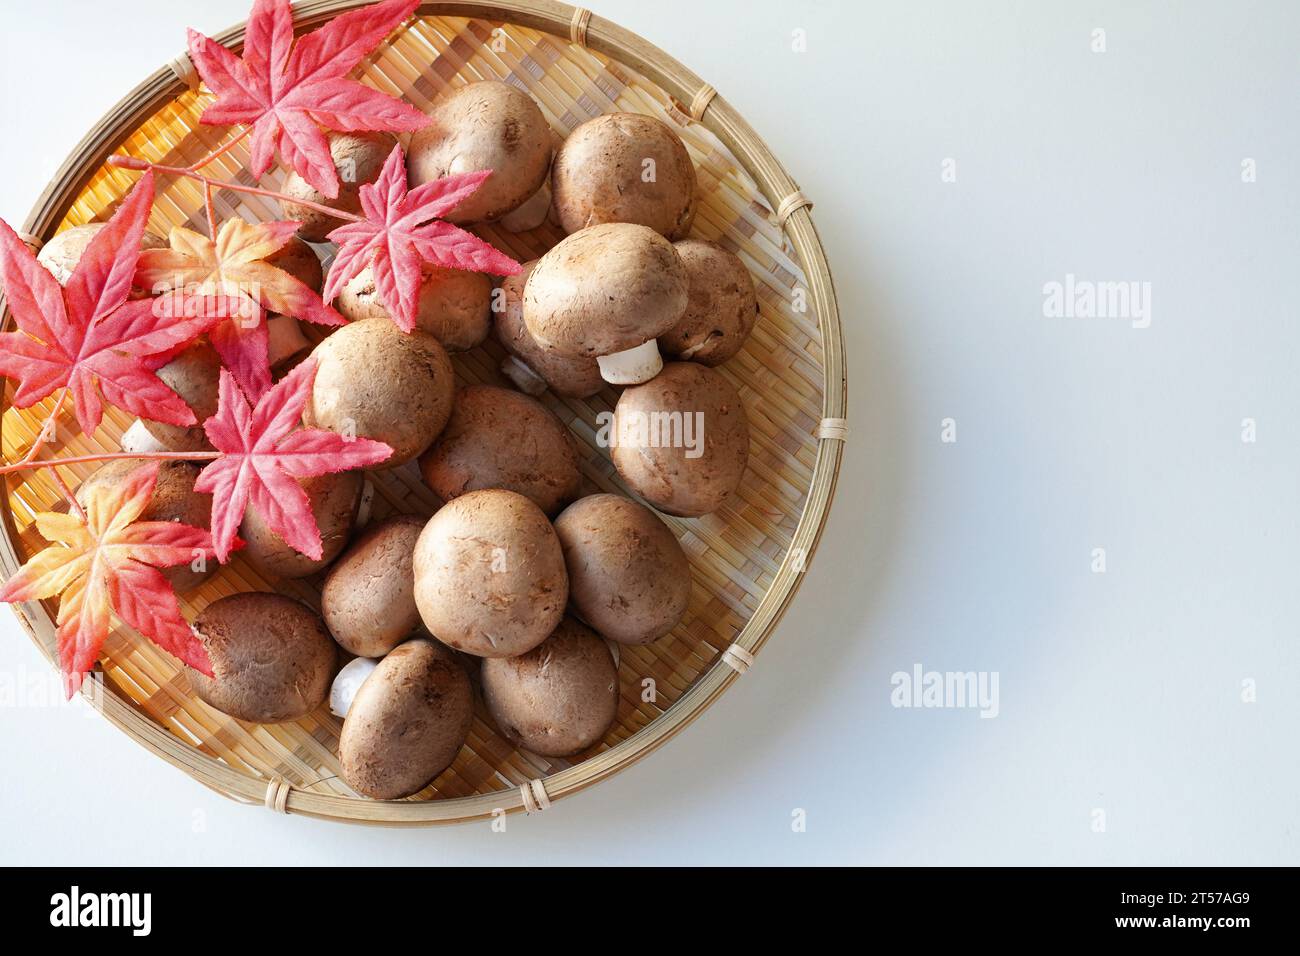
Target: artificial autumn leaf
(397,236)
(109,562)
(86,336)
(287,91)
(263,454)
(231,269)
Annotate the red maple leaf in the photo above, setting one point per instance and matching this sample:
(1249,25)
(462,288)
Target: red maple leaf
(87,337)
(397,235)
(110,561)
(263,453)
(287,91)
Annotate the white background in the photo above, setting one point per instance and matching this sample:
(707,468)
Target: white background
(1119,692)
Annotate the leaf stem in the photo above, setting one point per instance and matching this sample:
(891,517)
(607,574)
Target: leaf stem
(73,503)
(221,151)
(212,215)
(113,456)
(47,427)
(131,162)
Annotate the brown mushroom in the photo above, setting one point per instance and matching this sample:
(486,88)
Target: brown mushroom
(681,440)
(368,600)
(559,698)
(62,253)
(194,375)
(624,167)
(607,293)
(359,158)
(628,576)
(375,381)
(530,366)
(497,438)
(334,499)
(406,722)
(454,306)
(173,499)
(722,307)
(489,574)
(484,125)
(271,656)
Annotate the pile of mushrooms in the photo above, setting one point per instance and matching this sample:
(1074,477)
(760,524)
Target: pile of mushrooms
(519,590)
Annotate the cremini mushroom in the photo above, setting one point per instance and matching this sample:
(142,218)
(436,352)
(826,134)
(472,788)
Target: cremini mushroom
(530,366)
(484,125)
(375,381)
(489,574)
(607,293)
(559,698)
(628,576)
(624,167)
(406,722)
(681,440)
(334,499)
(368,599)
(454,306)
(194,375)
(62,253)
(358,157)
(497,438)
(721,308)
(271,656)
(173,499)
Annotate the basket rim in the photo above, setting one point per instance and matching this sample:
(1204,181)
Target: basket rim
(777,187)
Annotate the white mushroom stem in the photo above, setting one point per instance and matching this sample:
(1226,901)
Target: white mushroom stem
(523,377)
(349,680)
(632,366)
(286,339)
(531,214)
(138,440)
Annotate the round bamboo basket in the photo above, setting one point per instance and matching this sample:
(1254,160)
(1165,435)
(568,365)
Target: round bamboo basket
(747,559)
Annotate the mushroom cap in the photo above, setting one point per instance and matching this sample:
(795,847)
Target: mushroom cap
(454,306)
(375,381)
(599,176)
(484,125)
(567,375)
(605,289)
(558,699)
(407,721)
(173,499)
(628,576)
(300,261)
(498,438)
(334,498)
(687,463)
(62,253)
(368,600)
(272,657)
(489,574)
(359,158)
(194,375)
(721,309)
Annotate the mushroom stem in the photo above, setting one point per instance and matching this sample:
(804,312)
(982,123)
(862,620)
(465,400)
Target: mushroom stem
(348,681)
(523,377)
(285,339)
(632,366)
(138,438)
(531,213)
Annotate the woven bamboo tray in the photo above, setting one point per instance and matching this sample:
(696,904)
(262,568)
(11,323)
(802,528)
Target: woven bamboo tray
(746,560)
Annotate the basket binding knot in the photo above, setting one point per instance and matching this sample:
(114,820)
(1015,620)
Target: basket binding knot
(33,243)
(701,102)
(833,429)
(737,658)
(578,26)
(534,796)
(277,795)
(790,205)
(183,69)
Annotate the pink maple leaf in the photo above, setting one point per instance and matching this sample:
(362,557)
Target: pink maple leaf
(288,90)
(262,454)
(397,236)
